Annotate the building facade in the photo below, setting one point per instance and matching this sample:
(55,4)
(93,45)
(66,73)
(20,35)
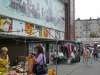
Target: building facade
(89,28)
(55,16)
(23,23)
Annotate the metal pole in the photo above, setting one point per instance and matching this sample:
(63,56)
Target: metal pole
(57,59)
(27,52)
(56,50)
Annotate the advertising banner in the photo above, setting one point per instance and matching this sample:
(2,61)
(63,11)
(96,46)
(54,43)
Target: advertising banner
(5,24)
(18,27)
(44,32)
(38,31)
(22,28)
(51,33)
(49,13)
(29,29)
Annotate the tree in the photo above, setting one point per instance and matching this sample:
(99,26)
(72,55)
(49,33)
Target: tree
(93,34)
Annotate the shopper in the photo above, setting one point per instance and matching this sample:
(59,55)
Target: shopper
(86,55)
(31,62)
(4,60)
(60,57)
(40,68)
(91,54)
(95,54)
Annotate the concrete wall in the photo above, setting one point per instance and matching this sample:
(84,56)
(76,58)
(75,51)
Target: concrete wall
(70,20)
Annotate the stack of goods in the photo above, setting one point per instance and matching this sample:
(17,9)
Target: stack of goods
(19,69)
(52,71)
(12,73)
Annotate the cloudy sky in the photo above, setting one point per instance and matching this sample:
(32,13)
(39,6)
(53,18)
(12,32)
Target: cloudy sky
(85,9)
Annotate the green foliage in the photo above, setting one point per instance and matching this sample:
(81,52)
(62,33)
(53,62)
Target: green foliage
(93,34)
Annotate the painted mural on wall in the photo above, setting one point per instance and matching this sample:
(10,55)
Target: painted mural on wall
(5,24)
(49,13)
(22,28)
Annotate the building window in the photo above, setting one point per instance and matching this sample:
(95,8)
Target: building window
(80,27)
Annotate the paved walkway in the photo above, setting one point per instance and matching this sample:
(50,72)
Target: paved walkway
(79,69)
(87,69)
(65,69)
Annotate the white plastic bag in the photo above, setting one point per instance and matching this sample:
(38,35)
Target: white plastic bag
(72,55)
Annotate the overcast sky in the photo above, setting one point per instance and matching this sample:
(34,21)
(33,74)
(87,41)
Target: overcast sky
(85,9)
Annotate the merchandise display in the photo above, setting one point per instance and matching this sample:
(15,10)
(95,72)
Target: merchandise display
(15,70)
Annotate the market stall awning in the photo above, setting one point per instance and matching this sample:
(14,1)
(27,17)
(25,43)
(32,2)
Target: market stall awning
(32,39)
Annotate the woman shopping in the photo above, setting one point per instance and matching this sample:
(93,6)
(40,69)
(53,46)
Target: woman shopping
(40,68)
(86,55)
(31,61)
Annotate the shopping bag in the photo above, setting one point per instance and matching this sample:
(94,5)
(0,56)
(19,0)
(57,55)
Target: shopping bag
(41,69)
(12,73)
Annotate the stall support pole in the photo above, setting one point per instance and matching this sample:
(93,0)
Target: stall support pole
(57,40)
(57,54)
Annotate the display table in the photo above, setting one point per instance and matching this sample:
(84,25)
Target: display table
(13,73)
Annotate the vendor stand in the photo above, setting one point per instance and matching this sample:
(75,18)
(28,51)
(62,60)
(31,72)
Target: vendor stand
(19,69)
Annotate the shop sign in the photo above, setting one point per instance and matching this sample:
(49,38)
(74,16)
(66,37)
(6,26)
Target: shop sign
(48,13)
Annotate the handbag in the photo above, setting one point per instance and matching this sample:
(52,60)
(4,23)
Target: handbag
(72,55)
(40,69)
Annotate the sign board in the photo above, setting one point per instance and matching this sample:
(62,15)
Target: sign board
(5,24)
(48,13)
